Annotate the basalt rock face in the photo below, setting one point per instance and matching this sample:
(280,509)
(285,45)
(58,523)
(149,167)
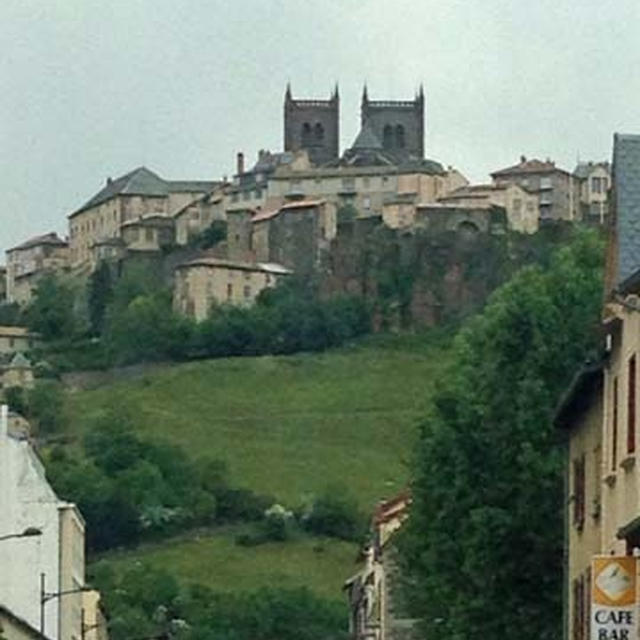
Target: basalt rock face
(426,278)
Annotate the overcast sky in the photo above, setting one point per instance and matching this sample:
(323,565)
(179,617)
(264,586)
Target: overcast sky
(95,88)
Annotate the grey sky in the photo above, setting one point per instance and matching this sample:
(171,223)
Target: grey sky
(94,88)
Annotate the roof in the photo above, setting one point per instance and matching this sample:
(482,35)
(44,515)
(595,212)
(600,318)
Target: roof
(290,206)
(584,169)
(150,220)
(19,361)
(14,332)
(50,239)
(143,182)
(528,166)
(366,139)
(626,202)
(579,395)
(206,261)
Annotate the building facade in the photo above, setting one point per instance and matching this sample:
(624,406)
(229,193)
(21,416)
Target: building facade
(521,206)
(16,340)
(28,262)
(557,190)
(204,282)
(52,561)
(595,180)
(599,411)
(129,198)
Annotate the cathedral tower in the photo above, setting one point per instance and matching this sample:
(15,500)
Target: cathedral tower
(313,125)
(398,124)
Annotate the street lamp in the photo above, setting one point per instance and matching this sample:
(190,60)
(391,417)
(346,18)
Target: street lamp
(45,596)
(29,532)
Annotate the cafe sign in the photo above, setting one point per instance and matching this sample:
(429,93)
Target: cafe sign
(614,607)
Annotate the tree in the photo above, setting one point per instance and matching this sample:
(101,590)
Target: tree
(45,404)
(51,310)
(483,546)
(100,295)
(215,233)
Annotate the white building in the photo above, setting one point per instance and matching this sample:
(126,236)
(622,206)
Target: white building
(27,501)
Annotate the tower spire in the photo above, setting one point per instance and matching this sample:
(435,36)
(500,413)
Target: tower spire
(287,94)
(336,93)
(365,94)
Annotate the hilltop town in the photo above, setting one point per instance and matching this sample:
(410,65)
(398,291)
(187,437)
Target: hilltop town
(293,263)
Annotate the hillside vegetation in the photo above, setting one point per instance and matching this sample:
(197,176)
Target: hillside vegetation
(288,426)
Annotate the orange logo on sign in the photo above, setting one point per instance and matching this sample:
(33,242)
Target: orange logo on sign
(614,581)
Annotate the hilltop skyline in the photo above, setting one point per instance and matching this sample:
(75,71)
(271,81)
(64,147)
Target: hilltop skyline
(94,91)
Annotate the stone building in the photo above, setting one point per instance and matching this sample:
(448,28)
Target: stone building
(28,262)
(138,194)
(595,180)
(313,125)
(16,339)
(557,190)
(53,560)
(297,235)
(16,372)
(3,284)
(197,215)
(598,414)
(205,281)
(520,205)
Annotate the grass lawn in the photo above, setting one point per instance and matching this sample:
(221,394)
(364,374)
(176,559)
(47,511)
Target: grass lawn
(289,426)
(320,564)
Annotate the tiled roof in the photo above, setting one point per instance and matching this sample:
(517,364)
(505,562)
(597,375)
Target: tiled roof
(528,166)
(366,139)
(143,182)
(626,189)
(51,239)
(301,204)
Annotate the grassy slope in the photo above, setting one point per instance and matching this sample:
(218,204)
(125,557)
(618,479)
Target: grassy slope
(287,426)
(322,565)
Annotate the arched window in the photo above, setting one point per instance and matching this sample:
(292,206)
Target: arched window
(387,137)
(306,134)
(318,132)
(399,136)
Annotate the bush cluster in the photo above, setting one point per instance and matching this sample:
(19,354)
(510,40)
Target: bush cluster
(146,601)
(128,488)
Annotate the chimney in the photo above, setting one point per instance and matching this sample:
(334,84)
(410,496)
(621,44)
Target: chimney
(240,163)
(523,159)
(109,180)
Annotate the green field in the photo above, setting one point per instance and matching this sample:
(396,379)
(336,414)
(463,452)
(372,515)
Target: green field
(320,564)
(289,427)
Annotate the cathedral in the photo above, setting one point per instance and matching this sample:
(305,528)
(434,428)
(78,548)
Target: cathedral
(391,131)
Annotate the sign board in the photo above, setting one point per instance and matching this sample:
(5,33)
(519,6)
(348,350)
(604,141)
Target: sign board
(614,608)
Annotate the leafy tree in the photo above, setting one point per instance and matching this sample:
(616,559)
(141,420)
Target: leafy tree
(483,546)
(50,312)
(45,405)
(10,314)
(215,233)
(15,398)
(335,513)
(99,296)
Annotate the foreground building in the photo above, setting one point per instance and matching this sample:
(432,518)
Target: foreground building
(599,412)
(50,560)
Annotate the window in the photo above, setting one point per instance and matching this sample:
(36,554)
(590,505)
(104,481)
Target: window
(349,184)
(400,136)
(517,205)
(366,203)
(631,406)
(306,134)
(614,426)
(247,292)
(387,137)
(229,291)
(148,235)
(545,183)
(318,133)
(578,491)
(596,185)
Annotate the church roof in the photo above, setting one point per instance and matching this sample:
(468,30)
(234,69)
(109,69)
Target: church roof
(19,361)
(51,239)
(366,139)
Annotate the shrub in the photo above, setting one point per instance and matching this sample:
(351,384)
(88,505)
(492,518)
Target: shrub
(335,513)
